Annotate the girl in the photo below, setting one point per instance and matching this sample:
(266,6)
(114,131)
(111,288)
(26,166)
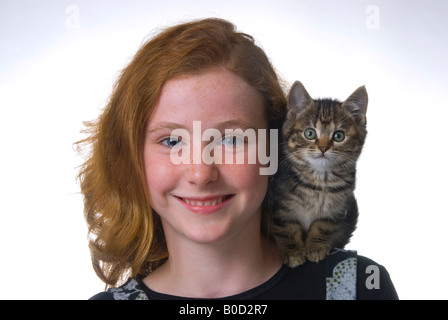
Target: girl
(195,229)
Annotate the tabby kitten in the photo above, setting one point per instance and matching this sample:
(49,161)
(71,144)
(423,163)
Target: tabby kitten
(315,209)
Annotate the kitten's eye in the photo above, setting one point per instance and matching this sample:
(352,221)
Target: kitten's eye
(338,136)
(310,134)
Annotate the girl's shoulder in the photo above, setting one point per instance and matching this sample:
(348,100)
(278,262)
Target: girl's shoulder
(131,290)
(343,275)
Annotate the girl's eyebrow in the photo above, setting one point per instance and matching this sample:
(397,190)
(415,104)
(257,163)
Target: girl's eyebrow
(234,123)
(166,126)
(221,126)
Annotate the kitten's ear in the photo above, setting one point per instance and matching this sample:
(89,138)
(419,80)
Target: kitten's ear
(298,99)
(356,104)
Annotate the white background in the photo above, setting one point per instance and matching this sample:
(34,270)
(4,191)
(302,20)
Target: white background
(59,60)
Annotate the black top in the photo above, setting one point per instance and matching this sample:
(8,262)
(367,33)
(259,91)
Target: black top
(343,275)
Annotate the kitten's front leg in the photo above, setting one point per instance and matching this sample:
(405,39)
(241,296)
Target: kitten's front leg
(296,258)
(318,240)
(289,238)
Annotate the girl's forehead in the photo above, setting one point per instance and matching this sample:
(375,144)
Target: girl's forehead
(219,82)
(215,95)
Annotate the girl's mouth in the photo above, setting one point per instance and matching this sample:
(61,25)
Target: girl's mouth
(209,202)
(205,204)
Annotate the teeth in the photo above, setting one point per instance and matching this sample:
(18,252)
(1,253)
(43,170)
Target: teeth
(199,203)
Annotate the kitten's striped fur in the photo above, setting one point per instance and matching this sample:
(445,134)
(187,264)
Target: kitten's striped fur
(314,204)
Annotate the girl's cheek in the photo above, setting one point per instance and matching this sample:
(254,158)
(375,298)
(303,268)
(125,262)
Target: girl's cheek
(160,173)
(246,176)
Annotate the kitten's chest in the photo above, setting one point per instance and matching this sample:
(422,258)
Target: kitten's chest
(318,205)
(309,201)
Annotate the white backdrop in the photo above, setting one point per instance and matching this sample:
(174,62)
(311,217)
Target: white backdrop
(58,62)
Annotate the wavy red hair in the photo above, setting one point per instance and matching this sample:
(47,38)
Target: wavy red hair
(125,235)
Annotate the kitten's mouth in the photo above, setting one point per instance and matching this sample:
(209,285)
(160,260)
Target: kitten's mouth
(320,155)
(320,162)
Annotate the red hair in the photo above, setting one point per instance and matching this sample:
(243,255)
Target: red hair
(125,236)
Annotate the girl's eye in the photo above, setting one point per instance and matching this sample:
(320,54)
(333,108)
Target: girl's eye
(171,142)
(338,136)
(232,141)
(310,134)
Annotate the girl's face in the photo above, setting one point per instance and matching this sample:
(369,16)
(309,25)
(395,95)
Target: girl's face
(200,202)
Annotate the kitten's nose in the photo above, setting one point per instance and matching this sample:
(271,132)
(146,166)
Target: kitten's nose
(323,149)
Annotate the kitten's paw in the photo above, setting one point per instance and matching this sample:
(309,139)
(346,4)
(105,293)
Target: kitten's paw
(294,260)
(317,252)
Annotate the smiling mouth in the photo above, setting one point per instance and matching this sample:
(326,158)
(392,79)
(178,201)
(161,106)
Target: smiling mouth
(206,202)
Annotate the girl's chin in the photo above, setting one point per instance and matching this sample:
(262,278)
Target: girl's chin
(208,235)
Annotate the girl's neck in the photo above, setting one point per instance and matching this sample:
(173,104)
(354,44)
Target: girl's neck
(218,270)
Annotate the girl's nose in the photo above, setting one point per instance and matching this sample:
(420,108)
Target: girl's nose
(202,174)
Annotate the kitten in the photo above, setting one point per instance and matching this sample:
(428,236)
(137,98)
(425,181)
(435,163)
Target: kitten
(315,209)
